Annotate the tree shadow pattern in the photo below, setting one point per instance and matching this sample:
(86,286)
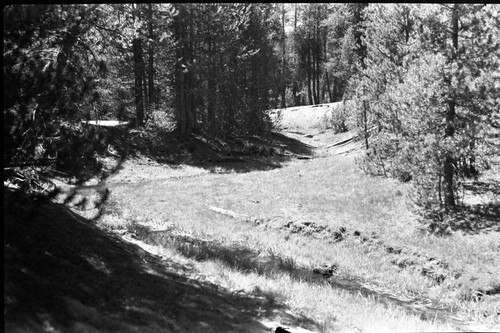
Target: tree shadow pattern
(237,154)
(474,219)
(248,260)
(482,187)
(477,218)
(62,273)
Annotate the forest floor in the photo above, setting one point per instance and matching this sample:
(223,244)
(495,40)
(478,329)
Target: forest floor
(246,235)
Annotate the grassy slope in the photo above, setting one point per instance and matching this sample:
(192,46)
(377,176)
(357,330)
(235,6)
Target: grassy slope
(292,213)
(329,192)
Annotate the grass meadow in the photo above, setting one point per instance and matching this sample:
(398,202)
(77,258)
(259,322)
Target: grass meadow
(281,224)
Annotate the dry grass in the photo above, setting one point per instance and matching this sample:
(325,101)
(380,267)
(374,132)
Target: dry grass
(284,225)
(329,192)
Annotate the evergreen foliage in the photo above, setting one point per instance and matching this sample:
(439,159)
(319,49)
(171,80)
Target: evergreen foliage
(50,74)
(431,84)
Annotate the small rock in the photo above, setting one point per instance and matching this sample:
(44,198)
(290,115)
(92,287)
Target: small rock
(338,236)
(391,249)
(326,271)
(91,182)
(403,263)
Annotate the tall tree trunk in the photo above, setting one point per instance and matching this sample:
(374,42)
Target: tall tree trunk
(138,72)
(471,168)
(151,90)
(182,72)
(212,82)
(295,87)
(317,51)
(407,25)
(323,88)
(328,87)
(335,89)
(449,162)
(283,59)
(145,91)
(365,122)
(318,74)
(309,92)
(313,71)
(191,79)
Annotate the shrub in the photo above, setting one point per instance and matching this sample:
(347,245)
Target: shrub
(340,118)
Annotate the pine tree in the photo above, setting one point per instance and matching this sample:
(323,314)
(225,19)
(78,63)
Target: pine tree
(431,80)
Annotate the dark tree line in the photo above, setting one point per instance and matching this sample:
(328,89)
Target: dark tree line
(212,65)
(216,67)
(224,67)
(51,70)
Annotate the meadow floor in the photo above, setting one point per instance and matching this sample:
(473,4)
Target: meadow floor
(308,243)
(315,235)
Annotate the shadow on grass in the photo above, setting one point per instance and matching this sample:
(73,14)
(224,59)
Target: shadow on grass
(248,260)
(237,154)
(62,273)
(481,187)
(85,153)
(236,257)
(475,219)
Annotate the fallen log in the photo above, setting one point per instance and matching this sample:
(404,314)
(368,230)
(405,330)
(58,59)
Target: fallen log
(340,142)
(228,212)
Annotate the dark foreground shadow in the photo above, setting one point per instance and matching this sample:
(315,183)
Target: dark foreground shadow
(64,274)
